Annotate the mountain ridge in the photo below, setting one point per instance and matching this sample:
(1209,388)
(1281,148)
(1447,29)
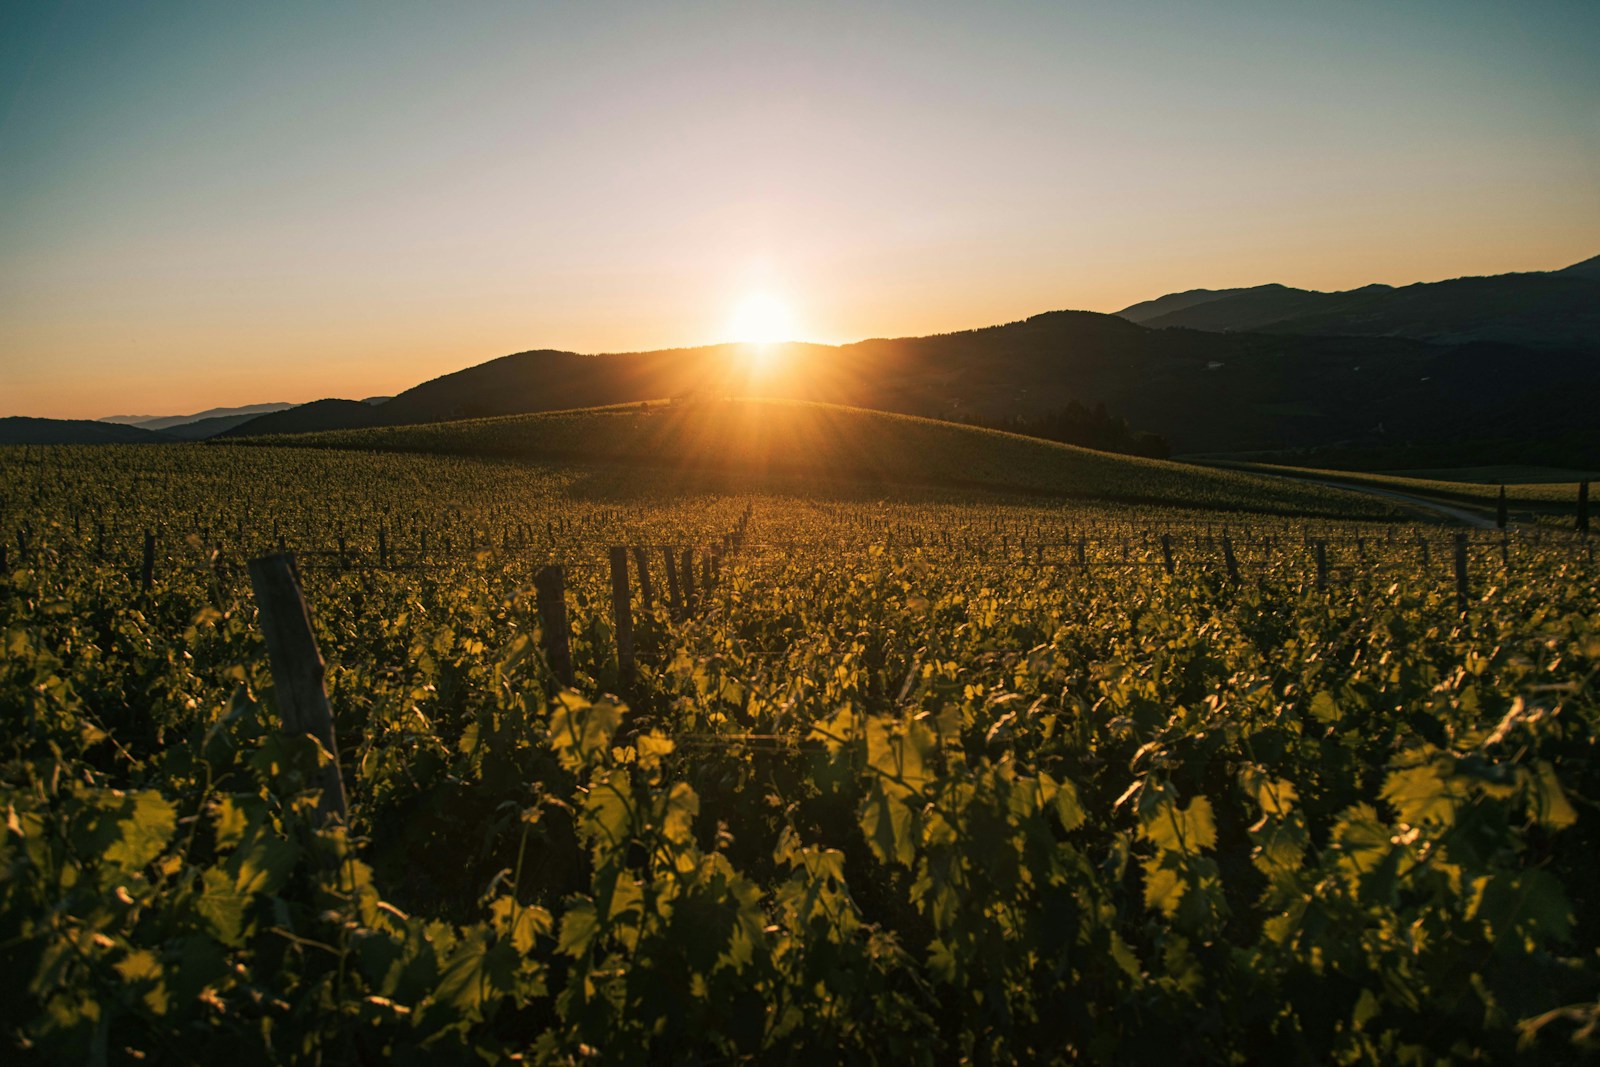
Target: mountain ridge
(1538,309)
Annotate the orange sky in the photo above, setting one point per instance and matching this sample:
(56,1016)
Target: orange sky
(226,208)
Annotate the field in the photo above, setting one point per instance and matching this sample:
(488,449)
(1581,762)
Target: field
(1539,495)
(752,444)
(983,754)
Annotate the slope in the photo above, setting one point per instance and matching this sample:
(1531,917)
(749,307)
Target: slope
(307,418)
(752,443)
(1204,392)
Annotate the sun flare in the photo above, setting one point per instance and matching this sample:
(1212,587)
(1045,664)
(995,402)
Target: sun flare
(762,318)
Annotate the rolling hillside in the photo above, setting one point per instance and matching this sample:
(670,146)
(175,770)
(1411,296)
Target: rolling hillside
(776,444)
(1204,392)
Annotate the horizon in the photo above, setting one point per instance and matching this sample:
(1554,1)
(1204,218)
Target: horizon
(436,373)
(213,208)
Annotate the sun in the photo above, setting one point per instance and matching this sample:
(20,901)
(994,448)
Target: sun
(761,318)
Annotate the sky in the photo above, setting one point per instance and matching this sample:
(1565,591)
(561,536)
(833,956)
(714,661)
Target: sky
(220,203)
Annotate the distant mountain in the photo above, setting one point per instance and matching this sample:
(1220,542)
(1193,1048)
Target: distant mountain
(167,422)
(307,418)
(19,430)
(1549,309)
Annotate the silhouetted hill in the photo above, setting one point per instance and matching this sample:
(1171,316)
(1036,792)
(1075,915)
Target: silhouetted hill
(1204,392)
(318,415)
(1554,309)
(19,430)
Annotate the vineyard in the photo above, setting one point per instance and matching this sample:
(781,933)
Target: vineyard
(872,774)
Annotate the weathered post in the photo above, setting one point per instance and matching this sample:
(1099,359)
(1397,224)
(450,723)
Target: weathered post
(622,610)
(297,670)
(646,593)
(1166,552)
(1583,506)
(1500,510)
(1320,550)
(1083,561)
(383,548)
(674,596)
(1461,571)
(550,591)
(1228,559)
(1422,546)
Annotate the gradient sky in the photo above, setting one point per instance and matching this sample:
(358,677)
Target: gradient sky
(223,203)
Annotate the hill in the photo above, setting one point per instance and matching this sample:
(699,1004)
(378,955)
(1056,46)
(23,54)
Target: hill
(1204,392)
(751,444)
(21,430)
(307,418)
(1549,309)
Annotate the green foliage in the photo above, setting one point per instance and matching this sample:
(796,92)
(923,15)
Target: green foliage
(913,786)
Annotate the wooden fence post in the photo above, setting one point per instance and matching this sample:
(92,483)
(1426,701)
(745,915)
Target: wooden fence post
(1500,510)
(642,565)
(550,591)
(1422,545)
(1166,552)
(1461,570)
(1227,558)
(297,670)
(1583,506)
(1320,550)
(622,610)
(674,595)
(1083,561)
